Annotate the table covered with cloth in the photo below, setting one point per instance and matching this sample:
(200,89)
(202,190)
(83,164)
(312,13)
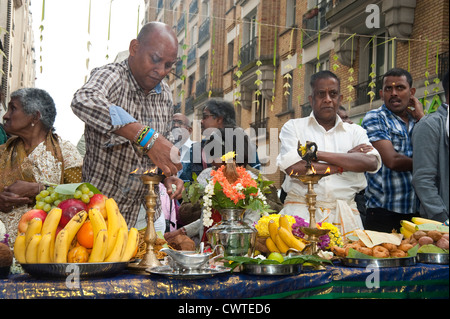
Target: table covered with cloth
(422,281)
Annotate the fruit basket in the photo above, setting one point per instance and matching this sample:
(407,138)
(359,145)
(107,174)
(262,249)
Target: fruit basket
(83,270)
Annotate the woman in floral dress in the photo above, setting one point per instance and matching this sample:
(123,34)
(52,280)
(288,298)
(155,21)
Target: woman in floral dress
(33,157)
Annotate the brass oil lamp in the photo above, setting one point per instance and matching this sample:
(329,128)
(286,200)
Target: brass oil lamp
(151,178)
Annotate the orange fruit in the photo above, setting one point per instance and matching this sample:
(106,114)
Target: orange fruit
(85,235)
(78,254)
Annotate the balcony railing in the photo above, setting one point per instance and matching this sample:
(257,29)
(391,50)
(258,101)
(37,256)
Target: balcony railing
(248,52)
(314,20)
(362,90)
(179,68)
(192,56)
(200,86)
(203,32)
(189,106)
(443,64)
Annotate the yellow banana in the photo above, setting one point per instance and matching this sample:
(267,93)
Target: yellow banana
(282,247)
(119,247)
(31,254)
(271,245)
(97,221)
(66,235)
(44,253)
(405,232)
(114,223)
(284,222)
(420,221)
(409,226)
(98,252)
(272,229)
(34,227)
(49,226)
(290,240)
(20,248)
(132,243)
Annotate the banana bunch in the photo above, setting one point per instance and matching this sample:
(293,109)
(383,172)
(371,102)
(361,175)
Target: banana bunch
(410,227)
(113,242)
(281,238)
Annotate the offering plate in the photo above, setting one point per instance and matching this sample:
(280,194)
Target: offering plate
(379,262)
(187,274)
(272,269)
(428,258)
(84,270)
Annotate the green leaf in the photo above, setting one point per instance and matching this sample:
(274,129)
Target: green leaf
(69,189)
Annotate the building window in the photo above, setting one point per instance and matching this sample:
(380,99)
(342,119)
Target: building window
(230,54)
(290,12)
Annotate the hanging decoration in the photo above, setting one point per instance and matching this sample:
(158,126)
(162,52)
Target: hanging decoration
(258,72)
(41,36)
(213,53)
(238,73)
(109,30)
(88,43)
(274,67)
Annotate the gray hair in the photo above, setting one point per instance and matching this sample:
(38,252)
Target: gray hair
(36,101)
(223,109)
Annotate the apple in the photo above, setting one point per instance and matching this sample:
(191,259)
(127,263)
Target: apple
(98,201)
(29,215)
(70,207)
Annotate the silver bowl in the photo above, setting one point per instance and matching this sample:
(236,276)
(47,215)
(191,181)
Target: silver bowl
(429,258)
(84,270)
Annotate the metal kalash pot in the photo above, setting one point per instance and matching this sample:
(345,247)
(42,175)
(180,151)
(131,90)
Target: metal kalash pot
(235,236)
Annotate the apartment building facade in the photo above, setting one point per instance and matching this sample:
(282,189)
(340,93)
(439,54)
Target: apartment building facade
(17,63)
(260,54)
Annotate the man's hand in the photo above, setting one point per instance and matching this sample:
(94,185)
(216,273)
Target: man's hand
(176,192)
(415,108)
(166,156)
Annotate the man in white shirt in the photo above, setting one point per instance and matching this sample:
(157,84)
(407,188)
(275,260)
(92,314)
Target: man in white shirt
(343,147)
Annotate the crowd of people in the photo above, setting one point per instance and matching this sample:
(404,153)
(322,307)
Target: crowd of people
(391,167)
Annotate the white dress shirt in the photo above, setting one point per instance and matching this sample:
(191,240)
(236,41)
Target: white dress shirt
(330,189)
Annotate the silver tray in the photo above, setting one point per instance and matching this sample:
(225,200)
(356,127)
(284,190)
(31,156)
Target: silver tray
(432,258)
(272,269)
(201,273)
(379,262)
(85,270)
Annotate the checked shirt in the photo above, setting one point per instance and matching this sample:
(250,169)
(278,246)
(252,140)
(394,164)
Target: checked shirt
(390,189)
(110,158)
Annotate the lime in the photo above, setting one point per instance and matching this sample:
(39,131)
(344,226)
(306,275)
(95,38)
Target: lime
(276,256)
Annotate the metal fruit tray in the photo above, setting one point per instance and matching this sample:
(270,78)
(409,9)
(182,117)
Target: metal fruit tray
(188,274)
(84,270)
(379,262)
(432,258)
(272,269)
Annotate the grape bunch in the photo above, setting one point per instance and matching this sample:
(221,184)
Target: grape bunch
(49,198)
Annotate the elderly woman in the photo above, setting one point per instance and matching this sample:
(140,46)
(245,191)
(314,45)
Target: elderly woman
(33,156)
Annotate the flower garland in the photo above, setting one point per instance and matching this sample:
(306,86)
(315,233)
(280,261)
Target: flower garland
(243,193)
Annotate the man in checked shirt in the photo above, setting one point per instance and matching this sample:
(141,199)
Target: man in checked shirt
(127,110)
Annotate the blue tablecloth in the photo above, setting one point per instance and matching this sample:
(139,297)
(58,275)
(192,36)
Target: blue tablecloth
(420,281)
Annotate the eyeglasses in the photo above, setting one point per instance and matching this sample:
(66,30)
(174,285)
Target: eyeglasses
(178,122)
(205,116)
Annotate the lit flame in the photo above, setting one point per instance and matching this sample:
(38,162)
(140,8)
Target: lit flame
(328,171)
(135,171)
(313,170)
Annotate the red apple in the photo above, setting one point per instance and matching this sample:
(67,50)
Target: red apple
(70,207)
(29,215)
(98,201)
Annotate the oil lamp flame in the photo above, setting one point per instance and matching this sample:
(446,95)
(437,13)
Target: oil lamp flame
(135,171)
(313,170)
(328,171)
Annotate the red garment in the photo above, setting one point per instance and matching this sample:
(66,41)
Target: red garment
(216,218)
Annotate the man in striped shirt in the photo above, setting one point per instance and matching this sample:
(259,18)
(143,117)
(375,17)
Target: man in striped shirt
(127,110)
(389,193)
